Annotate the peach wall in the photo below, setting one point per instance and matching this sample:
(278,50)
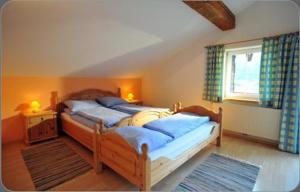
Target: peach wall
(18,92)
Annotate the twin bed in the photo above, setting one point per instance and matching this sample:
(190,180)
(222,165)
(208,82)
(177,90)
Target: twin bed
(84,129)
(149,143)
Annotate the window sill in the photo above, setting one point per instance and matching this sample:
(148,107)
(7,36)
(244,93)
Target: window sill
(242,101)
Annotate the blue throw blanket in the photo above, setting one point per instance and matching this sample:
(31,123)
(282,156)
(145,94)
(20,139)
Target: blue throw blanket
(177,125)
(137,136)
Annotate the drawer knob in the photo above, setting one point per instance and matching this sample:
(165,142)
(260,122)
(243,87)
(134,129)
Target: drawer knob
(42,118)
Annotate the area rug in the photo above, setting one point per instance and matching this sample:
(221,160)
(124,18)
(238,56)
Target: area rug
(220,173)
(53,163)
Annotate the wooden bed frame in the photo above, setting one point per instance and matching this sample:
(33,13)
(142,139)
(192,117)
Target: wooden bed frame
(83,135)
(87,136)
(115,152)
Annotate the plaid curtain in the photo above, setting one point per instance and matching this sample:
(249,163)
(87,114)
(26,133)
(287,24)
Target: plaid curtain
(289,132)
(272,75)
(279,85)
(214,74)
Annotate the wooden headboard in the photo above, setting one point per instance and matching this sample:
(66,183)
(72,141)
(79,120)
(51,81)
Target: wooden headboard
(86,94)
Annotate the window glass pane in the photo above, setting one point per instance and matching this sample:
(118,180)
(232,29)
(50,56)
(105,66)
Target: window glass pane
(245,72)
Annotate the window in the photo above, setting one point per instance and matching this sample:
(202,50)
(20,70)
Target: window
(242,73)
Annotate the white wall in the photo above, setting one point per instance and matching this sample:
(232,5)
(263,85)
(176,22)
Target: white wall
(95,38)
(181,78)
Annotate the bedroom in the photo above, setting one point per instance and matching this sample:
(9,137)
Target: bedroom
(154,54)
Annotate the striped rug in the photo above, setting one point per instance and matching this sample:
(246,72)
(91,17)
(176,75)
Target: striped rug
(53,163)
(220,173)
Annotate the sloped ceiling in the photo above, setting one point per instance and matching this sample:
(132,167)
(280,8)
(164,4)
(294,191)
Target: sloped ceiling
(103,38)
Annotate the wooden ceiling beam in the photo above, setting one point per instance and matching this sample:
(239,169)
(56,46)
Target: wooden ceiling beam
(215,11)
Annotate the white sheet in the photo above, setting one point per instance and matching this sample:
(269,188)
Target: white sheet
(183,143)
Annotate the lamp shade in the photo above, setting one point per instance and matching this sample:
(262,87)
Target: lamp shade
(35,106)
(130,96)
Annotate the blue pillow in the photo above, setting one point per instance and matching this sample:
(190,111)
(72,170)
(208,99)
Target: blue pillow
(77,105)
(111,101)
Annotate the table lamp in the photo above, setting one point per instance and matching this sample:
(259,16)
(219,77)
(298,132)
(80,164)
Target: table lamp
(130,96)
(35,106)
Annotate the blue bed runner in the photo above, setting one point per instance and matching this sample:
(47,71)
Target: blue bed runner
(137,136)
(178,124)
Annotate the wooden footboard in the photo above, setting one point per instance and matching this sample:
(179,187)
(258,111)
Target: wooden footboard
(114,151)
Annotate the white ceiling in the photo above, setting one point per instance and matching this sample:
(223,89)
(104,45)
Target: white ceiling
(103,38)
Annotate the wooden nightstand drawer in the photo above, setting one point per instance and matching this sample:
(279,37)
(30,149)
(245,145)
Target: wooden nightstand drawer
(40,126)
(32,121)
(44,129)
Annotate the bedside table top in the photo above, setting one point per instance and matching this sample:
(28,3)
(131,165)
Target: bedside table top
(40,113)
(134,101)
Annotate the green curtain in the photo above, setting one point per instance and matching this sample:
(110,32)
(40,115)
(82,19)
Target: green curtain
(214,74)
(279,85)
(272,75)
(289,132)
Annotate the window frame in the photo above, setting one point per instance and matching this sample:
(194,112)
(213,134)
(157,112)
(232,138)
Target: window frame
(227,94)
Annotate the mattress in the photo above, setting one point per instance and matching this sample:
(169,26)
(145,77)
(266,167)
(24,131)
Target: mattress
(185,142)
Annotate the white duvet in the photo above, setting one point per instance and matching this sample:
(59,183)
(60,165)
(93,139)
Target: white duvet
(109,116)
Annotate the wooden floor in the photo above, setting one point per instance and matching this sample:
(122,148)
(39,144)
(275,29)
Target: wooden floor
(279,170)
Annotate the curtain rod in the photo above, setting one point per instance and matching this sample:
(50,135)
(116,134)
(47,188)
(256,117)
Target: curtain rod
(243,41)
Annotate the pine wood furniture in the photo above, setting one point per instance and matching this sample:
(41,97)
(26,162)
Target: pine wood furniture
(87,136)
(39,126)
(115,152)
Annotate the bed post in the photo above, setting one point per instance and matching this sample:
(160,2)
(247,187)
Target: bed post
(96,147)
(174,108)
(119,92)
(219,139)
(146,182)
(179,106)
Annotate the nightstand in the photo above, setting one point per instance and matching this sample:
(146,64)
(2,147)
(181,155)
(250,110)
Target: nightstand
(136,102)
(39,126)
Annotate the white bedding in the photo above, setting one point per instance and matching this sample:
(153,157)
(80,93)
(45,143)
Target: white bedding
(183,143)
(109,116)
